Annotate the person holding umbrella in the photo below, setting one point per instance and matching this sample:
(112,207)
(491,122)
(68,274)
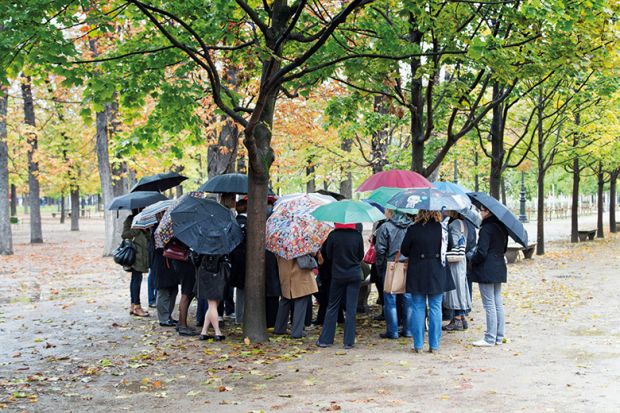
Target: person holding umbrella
(140,240)
(489,271)
(425,245)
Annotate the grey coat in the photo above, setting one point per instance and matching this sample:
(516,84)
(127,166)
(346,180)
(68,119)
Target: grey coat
(389,237)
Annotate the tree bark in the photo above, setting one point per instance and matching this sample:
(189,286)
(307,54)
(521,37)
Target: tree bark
(75,209)
(6,236)
(477,176)
(574,208)
(311,181)
(13,199)
(346,184)
(540,219)
(503,190)
(612,201)
(222,157)
(497,146)
(380,137)
(599,206)
(36,233)
(62,207)
(105,175)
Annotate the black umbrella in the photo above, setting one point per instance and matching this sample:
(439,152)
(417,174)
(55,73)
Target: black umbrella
(337,196)
(135,200)
(515,229)
(158,182)
(234,183)
(205,226)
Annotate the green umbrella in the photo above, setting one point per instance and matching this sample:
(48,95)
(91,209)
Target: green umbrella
(384,194)
(347,212)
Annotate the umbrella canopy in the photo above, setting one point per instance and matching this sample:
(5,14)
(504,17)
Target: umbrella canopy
(234,183)
(450,187)
(148,217)
(314,196)
(337,196)
(515,228)
(412,200)
(472,215)
(158,182)
(136,200)
(163,234)
(347,212)
(205,226)
(375,204)
(382,195)
(394,179)
(292,231)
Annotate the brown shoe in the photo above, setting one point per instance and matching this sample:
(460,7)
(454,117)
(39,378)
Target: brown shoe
(139,312)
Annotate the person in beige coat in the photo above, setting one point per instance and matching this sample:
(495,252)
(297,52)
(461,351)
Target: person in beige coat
(296,284)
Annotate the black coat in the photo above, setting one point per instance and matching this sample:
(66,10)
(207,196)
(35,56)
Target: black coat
(237,261)
(487,259)
(161,269)
(425,273)
(272,277)
(345,249)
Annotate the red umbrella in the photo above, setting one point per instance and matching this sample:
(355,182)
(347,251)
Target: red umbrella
(395,179)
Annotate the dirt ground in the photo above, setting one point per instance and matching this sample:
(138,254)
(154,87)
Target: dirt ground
(67,343)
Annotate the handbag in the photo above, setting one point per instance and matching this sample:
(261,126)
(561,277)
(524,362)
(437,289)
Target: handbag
(457,253)
(371,255)
(395,276)
(307,262)
(176,251)
(125,253)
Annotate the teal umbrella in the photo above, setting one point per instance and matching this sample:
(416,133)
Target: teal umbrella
(347,212)
(382,195)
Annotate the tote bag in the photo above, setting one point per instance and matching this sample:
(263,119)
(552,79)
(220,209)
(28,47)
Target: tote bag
(395,276)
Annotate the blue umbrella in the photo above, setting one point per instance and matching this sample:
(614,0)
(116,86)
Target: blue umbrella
(412,200)
(234,183)
(450,187)
(515,228)
(375,204)
(136,200)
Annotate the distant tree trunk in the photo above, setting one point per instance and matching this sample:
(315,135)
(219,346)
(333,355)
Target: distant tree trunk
(311,181)
(6,236)
(574,208)
(36,233)
(13,199)
(75,209)
(497,146)
(380,137)
(612,201)
(601,186)
(477,176)
(62,207)
(346,185)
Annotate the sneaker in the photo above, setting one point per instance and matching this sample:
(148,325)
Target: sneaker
(482,343)
(448,327)
(501,341)
(456,326)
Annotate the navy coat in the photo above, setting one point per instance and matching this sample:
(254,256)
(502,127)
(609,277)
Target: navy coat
(425,273)
(487,259)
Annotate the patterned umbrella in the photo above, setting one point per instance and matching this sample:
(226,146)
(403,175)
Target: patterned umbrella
(450,187)
(163,233)
(147,218)
(412,200)
(292,231)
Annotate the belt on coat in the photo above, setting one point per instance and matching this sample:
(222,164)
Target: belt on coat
(429,256)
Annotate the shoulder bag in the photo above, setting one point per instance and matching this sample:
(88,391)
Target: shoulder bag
(125,253)
(395,276)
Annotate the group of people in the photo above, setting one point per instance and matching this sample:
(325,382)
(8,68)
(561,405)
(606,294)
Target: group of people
(442,253)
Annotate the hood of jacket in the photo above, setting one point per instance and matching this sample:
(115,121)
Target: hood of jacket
(400,220)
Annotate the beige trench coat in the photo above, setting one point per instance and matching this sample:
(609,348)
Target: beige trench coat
(294,281)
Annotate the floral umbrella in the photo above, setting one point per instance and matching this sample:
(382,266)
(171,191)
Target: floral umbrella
(292,231)
(163,233)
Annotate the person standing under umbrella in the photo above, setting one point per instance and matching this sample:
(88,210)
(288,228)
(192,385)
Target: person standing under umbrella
(424,245)
(459,299)
(141,264)
(389,238)
(344,248)
(489,271)
(211,280)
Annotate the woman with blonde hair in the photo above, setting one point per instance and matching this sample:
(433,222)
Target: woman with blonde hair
(425,245)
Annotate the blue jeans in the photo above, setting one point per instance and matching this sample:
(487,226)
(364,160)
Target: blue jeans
(491,295)
(151,289)
(341,290)
(391,315)
(434,320)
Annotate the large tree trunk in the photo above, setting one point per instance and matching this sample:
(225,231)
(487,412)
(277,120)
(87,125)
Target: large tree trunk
(6,237)
(75,209)
(346,184)
(310,177)
(497,146)
(612,201)
(380,137)
(222,156)
(36,233)
(540,224)
(503,190)
(62,207)
(105,175)
(599,217)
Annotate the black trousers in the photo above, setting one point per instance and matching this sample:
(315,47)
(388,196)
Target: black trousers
(134,286)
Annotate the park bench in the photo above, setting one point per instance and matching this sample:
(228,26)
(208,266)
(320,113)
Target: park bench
(586,235)
(512,252)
